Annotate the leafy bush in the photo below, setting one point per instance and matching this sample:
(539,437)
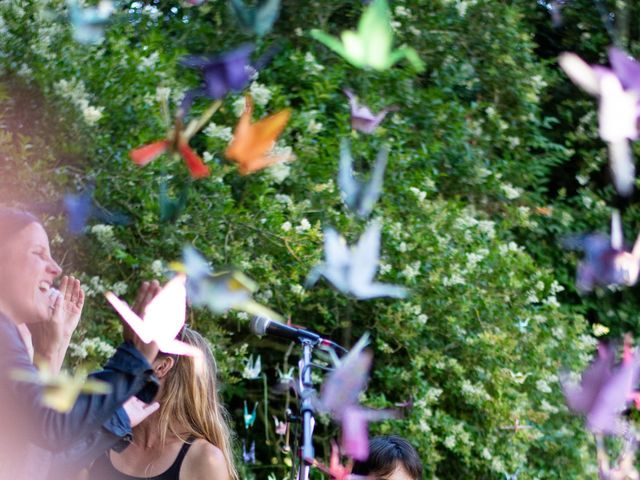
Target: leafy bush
(477,193)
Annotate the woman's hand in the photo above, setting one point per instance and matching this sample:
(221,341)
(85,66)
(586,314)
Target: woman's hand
(138,411)
(146,292)
(51,338)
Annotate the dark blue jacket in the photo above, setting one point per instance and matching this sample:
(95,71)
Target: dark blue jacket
(95,423)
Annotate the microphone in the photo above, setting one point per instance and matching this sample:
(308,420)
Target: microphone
(265,326)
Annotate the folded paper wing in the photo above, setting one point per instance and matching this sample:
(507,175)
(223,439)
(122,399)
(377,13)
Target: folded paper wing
(164,318)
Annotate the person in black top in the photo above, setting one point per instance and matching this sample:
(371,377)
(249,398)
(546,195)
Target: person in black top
(188,438)
(390,458)
(37,442)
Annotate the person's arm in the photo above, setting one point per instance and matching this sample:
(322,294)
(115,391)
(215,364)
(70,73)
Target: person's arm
(115,434)
(128,372)
(204,460)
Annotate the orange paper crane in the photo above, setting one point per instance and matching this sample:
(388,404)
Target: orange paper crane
(177,142)
(252,142)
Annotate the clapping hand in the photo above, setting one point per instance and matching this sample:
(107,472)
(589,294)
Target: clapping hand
(51,338)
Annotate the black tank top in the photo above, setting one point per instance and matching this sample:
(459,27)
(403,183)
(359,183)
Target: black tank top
(103,469)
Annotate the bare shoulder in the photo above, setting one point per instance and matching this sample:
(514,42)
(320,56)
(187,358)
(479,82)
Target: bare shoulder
(204,458)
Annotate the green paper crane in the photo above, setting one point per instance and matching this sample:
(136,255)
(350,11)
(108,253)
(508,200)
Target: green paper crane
(371,46)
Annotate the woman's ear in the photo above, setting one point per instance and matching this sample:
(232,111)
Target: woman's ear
(162,365)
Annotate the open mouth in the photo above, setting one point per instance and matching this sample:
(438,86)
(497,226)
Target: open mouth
(47,289)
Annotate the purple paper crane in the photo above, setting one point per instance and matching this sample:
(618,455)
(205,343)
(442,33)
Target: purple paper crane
(606,262)
(229,71)
(619,92)
(362,118)
(339,397)
(605,391)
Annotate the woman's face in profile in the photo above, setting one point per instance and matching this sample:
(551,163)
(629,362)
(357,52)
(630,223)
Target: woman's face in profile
(28,273)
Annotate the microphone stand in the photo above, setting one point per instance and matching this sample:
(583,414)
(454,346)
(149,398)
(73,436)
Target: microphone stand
(307,453)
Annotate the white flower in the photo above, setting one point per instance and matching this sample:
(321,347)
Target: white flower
(552,301)
(314,126)
(450,442)
(238,106)
(510,191)
(92,114)
(304,226)
(422,319)
(119,288)
(148,62)
(384,268)
(454,279)
(218,131)
(418,193)
(401,11)
(279,172)
(157,267)
(163,94)
(297,289)
(411,271)
(311,65)
(582,179)
(260,93)
(282,198)
(242,316)
(286,226)
(543,386)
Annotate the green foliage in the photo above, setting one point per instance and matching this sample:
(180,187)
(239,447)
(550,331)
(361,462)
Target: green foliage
(480,186)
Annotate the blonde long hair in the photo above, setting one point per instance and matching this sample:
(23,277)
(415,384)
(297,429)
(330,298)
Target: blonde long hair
(190,401)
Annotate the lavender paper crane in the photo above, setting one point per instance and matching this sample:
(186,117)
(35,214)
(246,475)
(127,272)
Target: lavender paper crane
(618,90)
(360,196)
(362,118)
(339,397)
(352,270)
(604,390)
(606,262)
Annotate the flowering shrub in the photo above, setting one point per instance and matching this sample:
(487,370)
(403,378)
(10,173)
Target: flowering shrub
(471,211)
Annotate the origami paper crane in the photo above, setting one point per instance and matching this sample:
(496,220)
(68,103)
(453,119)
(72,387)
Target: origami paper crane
(223,73)
(81,207)
(281,427)
(249,456)
(371,45)
(172,208)
(88,24)
(250,418)
(61,390)
(360,197)
(177,143)
(618,90)
(362,118)
(339,397)
(352,270)
(220,291)
(259,18)
(163,318)
(604,391)
(606,262)
(252,143)
(252,369)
